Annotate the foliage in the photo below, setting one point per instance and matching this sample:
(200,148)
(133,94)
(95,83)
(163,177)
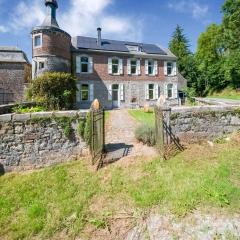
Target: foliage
(88,129)
(66,125)
(81,127)
(68,197)
(227,93)
(22,109)
(146,135)
(53,90)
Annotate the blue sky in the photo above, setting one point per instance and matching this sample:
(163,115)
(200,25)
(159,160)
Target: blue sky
(151,21)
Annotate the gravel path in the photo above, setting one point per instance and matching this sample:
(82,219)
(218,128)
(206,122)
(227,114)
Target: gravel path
(120,139)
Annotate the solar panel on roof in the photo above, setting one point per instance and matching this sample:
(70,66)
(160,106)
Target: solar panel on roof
(114,45)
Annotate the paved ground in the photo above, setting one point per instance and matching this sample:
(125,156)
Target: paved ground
(120,140)
(219,101)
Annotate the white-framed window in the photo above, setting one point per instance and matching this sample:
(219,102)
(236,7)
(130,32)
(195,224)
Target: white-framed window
(133,48)
(170,68)
(115,66)
(84,64)
(37,41)
(41,65)
(170,90)
(151,67)
(134,66)
(85,92)
(152,91)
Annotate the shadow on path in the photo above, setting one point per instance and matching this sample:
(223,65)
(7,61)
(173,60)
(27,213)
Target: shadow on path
(116,151)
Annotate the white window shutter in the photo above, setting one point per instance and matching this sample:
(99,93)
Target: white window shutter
(165,68)
(91,94)
(110,92)
(90,67)
(78,64)
(78,93)
(138,67)
(129,66)
(146,67)
(120,66)
(156,68)
(109,65)
(122,92)
(146,91)
(166,91)
(175,91)
(156,91)
(174,69)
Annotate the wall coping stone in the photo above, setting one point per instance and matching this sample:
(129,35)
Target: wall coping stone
(6,118)
(205,108)
(41,115)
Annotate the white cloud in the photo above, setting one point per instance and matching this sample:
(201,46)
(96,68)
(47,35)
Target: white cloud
(197,10)
(82,17)
(3,29)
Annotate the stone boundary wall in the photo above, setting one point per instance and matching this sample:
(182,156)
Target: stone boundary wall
(192,124)
(34,140)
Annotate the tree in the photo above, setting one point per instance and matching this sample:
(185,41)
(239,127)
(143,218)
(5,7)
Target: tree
(210,57)
(179,46)
(54,90)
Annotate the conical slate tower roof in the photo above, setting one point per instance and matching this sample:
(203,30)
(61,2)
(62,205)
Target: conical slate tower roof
(50,20)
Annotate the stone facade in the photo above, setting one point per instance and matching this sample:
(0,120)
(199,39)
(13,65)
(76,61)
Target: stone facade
(35,140)
(204,122)
(15,72)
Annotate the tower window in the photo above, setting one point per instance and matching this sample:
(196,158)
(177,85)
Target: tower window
(40,65)
(38,41)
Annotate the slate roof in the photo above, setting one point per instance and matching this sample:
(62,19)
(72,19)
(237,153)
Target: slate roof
(12,55)
(89,43)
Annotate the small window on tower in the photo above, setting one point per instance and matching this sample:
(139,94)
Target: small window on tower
(40,65)
(37,41)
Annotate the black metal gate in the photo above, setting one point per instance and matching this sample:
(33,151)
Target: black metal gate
(98,135)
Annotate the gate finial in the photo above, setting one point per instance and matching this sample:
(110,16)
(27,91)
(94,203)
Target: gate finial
(95,105)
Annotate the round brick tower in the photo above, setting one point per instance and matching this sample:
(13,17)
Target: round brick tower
(51,46)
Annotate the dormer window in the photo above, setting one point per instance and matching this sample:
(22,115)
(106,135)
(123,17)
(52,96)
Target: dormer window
(37,40)
(132,48)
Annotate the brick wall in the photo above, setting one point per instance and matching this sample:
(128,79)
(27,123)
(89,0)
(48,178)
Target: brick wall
(100,71)
(12,79)
(54,43)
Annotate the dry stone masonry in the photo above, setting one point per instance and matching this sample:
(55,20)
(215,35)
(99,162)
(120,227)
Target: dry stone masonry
(204,122)
(39,139)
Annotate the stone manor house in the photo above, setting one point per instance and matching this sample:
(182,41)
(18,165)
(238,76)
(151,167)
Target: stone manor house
(118,73)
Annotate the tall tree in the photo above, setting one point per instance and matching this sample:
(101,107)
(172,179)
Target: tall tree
(179,46)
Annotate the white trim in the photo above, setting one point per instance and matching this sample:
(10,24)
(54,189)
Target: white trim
(110,92)
(147,91)
(165,68)
(146,67)
(91,92)
(156,91)
(122,94)
(109,65)
(155,67)
(138,67)
(41,39)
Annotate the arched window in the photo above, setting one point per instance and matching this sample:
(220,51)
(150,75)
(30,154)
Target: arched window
(170,90)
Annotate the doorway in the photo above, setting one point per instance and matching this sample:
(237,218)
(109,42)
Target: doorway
(115,96)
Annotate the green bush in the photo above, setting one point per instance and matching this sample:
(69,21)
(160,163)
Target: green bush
(21,109)
(53,90)
(81,127)
(146,135)
(88,129)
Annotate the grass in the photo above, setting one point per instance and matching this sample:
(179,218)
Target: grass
(142,117)
(70,197)
(227,93)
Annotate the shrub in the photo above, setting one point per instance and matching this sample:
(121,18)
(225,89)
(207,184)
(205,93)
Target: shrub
(81,128)
(88,129)
(146,135)
(21,109)
(53,90)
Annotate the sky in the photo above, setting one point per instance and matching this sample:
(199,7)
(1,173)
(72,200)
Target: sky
(151,21)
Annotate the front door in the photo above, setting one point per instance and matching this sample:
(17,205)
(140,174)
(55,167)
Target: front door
(115,95)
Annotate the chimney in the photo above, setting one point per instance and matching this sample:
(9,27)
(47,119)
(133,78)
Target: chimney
(99,38)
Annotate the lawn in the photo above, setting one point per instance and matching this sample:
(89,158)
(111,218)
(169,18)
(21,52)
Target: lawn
(142,117)
(227,93)
(71,197)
